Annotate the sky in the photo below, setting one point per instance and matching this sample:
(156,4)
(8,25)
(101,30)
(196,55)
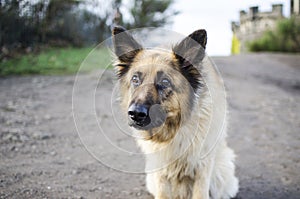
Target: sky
(215,16)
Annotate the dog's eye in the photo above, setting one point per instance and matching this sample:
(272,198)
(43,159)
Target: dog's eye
(135,80)
(165,83)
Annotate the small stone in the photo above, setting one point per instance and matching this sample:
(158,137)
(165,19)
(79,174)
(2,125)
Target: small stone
(138,193)
(45,136)
(35,80)
(8,123)
(10,107)
(24,138)
(15,131)
(286,180)
(47,117)
(41,136)
(13,148)
(8,137)
(36,122)
(75,171)
(53,153)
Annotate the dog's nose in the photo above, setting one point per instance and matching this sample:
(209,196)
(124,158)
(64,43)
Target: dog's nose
(138,112)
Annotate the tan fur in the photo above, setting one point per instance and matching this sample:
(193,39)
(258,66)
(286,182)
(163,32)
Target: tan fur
(186,158)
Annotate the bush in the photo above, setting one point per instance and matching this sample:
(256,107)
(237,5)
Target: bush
(285,38)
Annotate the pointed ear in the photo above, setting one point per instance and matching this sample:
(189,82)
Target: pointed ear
(125,48)
(189,53)
(191,50)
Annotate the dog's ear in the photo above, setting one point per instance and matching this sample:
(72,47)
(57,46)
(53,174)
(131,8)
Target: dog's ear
(125,48)
(189,53)
(191,49)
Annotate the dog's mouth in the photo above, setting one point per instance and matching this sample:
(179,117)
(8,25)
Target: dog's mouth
(152,117)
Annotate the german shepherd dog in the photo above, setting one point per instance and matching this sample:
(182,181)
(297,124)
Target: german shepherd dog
(168,102)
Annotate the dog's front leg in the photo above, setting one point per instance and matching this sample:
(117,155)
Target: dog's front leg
(200,189)
(202,183)
(163,187)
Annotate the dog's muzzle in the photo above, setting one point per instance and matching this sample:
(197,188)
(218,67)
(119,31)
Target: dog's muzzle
(146,117)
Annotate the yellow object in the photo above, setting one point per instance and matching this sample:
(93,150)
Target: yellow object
(235,45)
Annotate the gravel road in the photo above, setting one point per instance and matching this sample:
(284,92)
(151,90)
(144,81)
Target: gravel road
(41,155)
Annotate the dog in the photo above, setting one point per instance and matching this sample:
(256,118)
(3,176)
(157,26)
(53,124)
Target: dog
(174,104)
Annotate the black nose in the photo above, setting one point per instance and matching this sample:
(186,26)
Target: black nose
(138,113)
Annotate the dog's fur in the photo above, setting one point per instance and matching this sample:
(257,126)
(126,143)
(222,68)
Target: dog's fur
(186,155)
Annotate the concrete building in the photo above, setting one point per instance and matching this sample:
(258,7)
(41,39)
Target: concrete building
(295,7)
(254,23)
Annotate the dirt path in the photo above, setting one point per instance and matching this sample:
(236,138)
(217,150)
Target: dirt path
(41,155)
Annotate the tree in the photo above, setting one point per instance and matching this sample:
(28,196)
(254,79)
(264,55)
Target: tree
(29,24)
(148,13)
(58,21)
(11,21)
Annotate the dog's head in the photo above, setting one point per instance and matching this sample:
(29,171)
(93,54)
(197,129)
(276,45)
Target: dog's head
(158,88)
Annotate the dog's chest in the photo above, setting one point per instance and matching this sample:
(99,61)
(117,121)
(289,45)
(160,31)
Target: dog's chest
(181,177)
(180,169)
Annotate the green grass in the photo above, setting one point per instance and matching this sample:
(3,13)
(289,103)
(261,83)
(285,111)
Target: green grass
(56,61)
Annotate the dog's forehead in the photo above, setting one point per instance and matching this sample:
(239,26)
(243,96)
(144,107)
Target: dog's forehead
(154,57)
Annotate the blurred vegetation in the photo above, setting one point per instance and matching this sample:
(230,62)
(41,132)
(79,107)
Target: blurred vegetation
(56,61)
(285,38)
(148,13)
(28,24)
(30,27)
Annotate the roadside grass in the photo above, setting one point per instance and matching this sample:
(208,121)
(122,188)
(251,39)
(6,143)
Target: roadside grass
(56,61)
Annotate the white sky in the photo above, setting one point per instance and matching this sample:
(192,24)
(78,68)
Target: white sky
(215,16)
